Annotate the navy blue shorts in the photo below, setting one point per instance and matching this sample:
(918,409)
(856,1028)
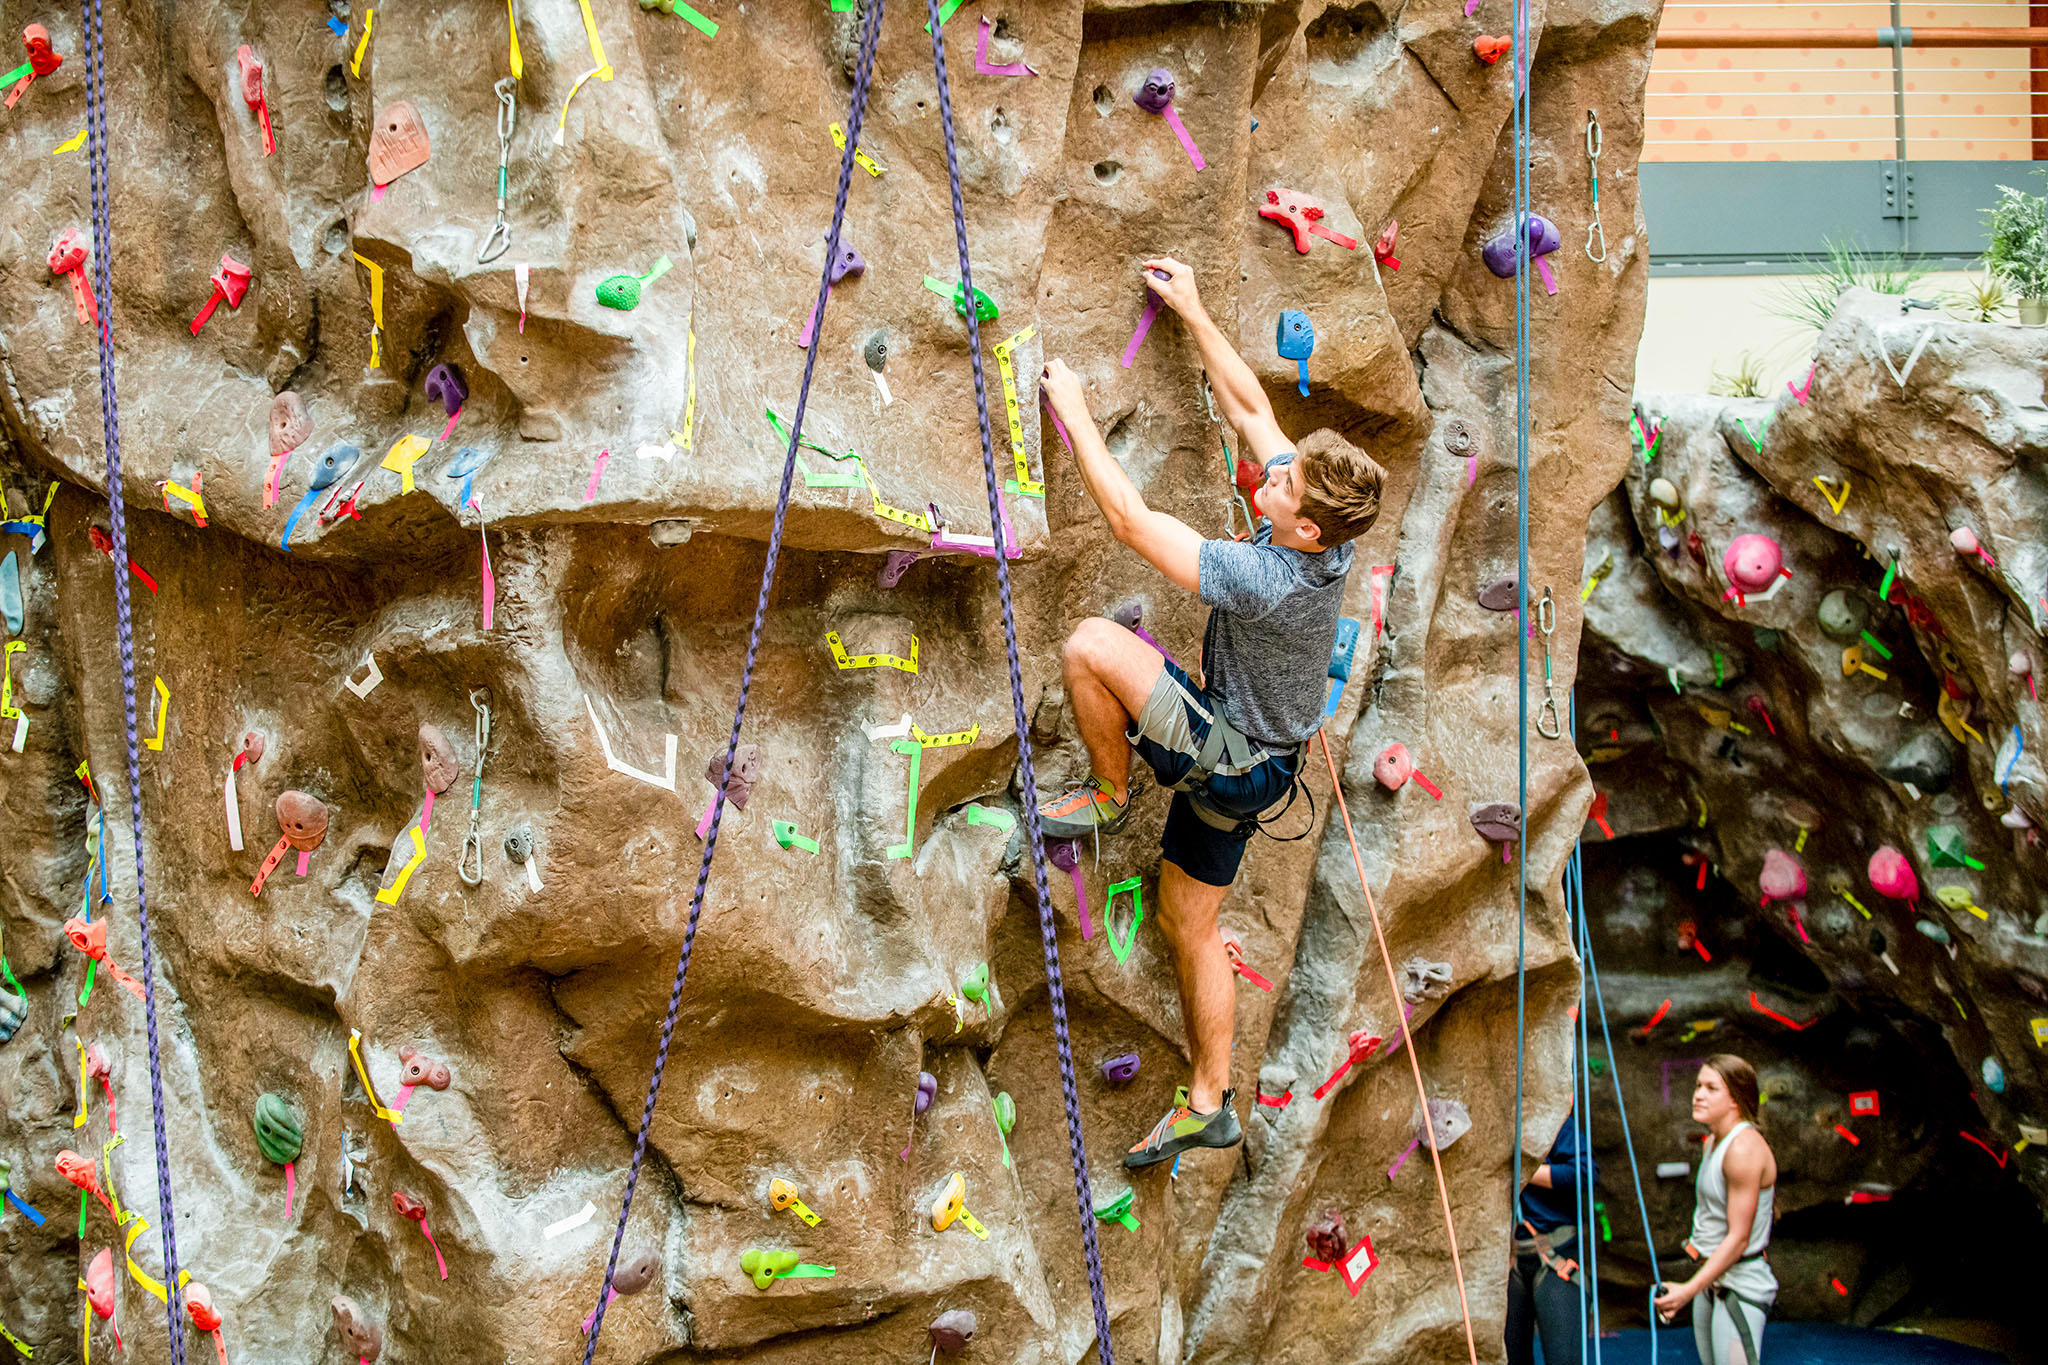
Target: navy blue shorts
(1168,734)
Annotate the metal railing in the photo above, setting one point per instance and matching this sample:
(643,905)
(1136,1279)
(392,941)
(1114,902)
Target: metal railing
(2008,114)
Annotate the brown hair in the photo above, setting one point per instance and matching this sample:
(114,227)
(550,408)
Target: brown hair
(1740,1078)
(1340,487)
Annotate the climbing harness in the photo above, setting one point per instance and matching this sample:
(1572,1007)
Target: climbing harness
(110,418)
(1548,723)
(500,239)
(1594,232)
(473,842)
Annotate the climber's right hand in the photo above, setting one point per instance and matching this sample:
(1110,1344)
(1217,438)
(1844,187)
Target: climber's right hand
(1063,389)
(1178,289)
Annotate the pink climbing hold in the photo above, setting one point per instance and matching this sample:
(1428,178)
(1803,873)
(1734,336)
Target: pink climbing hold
(1752,562)
(1393,767)
(1966,543)
(1783,878)
(1891,873)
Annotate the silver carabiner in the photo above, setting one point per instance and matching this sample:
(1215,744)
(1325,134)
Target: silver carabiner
(500,240)
(479,698)
(1549,723)
(1595,139)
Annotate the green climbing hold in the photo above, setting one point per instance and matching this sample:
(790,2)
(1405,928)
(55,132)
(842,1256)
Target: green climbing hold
(1945,848)
(975,986)
(280,1132)
(623,291)
(1119,1211)
(984,306)
(1843,615)
(764,1266)
(1006,1111)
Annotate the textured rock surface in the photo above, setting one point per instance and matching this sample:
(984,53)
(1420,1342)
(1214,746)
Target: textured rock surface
(1740,726)
(820,985)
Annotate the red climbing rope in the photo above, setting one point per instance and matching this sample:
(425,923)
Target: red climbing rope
(1379,933)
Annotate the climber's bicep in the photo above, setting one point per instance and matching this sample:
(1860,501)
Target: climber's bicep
(1168,544)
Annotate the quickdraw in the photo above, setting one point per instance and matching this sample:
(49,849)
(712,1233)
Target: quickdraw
(500,240)
(1548,723)
(473,842)
(1593,143)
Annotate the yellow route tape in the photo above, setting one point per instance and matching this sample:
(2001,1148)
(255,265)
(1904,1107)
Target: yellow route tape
(355,1052)
(840,656)
(1003,350)
(390,894)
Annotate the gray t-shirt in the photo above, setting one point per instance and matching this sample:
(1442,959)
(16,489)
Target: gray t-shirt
(1266,653)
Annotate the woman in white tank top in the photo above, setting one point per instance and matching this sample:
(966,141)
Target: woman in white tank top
(1732,1291)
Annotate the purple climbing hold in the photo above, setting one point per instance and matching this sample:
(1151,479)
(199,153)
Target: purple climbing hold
(1064,854)
(1498,821)
(746,771)
(446,386)
(848,262)
(1499,251)
(927,1091)
(1157,91)
(1122,1069)
(952,1330)
(1502,594)
(893,568)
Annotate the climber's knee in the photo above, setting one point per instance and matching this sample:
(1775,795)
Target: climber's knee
(1104,652)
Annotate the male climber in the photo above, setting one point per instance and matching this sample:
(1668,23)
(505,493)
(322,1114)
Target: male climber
(1229,746)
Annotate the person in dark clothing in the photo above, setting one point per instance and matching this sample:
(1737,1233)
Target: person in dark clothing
(1543,1283)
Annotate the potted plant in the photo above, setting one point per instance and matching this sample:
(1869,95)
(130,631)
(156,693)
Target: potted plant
(2017,254)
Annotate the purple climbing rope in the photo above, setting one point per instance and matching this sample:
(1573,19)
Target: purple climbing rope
(857,109)
(110,417)
(1077,1148)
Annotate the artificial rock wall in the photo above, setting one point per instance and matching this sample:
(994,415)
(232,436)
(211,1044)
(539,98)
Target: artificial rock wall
(625,490)
(1762,748)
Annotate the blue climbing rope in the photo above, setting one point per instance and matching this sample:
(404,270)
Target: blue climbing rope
(856,110)
(1589,1253)
(110,418)
(1522,613)
(1591,969)
(1077,1149)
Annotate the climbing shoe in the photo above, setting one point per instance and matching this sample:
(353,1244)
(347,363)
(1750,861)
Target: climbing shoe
(1087,807)
(1183,1128)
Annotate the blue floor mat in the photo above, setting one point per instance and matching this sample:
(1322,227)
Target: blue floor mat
(1801,1343)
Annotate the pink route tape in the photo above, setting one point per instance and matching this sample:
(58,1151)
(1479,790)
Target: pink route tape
(1138,337)
(987,68)
(449,430)
(590,493)
(1195,155)
(1081,902)
(1057,424)
(490,579)
(1402,1160)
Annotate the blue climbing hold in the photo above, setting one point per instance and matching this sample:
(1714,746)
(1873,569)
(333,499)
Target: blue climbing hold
(326,471)
(464,466)
(1341,654)
(10,593)
(1295,338)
